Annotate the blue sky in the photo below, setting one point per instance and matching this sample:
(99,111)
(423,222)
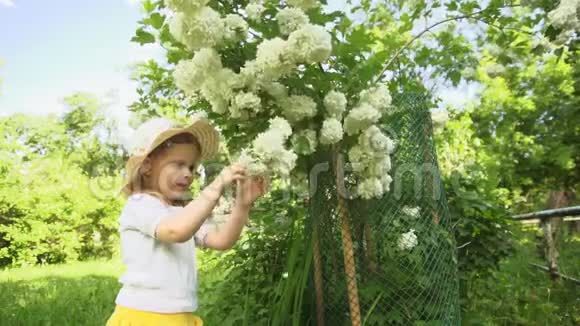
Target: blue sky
(54,48)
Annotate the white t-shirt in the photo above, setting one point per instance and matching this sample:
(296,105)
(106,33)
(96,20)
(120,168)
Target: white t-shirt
(160,277)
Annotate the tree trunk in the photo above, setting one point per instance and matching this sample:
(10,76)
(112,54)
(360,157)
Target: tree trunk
(551,227)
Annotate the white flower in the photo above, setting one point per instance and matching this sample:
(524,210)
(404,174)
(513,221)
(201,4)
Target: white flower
(331,131)
(378,97)
(254,11)
(356,154)
(236,28)
(290,19)
(408,240)
(309,44)
(219,88)
(271,62)
(360,118)
(565,16)
(186,6)
(494,70)
(282,126)
(304,142)
(286,163)
(269,145)
(411,211)
(335,104)
(253,166)
(386,183)
(177,27)
(268,155)
(224,206)
(244,102)
(303,4)
(276,90)
(375,141)
(370,188)
(371,163)
(379,167)
(191,74)
(439,118)
(468,72)
(187,77)
(298,107)
(203,29)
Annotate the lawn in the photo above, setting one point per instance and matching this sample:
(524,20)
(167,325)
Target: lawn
(80,293)
(83,293)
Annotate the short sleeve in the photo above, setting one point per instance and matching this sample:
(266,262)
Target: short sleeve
(201,235)
(143,212)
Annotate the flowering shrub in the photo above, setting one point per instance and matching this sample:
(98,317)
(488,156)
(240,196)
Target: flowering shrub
(301,120)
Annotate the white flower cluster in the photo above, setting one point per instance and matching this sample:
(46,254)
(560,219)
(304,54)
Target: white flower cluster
(244,104)
(272,62)
(371,162)
(254,11)
(335,104)
(494,70)
(204,74)
(304,142)
(298,107)
(203,30)
(331,131)
(309,44)
(439,119)
(203,27)
(186,5)
(408,240)
(409,211)
(565,16)
(257,86)
(291,19)
(373,103)
(303,4)
(378,97)
(223,207)
(268,155)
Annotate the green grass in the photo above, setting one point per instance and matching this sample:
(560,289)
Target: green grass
(83,293)
(80,293)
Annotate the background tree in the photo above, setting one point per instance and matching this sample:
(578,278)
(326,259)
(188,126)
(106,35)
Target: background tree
(69,169)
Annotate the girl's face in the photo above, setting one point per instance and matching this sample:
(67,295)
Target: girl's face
(171,171)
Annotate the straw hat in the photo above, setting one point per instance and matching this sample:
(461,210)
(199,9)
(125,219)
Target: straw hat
(157,130)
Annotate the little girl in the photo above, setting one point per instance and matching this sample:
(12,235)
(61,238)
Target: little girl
(159,232)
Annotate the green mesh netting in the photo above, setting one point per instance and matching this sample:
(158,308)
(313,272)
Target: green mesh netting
(361,273)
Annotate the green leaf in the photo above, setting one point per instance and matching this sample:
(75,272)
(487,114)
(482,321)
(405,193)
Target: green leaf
(143,37)
(148,6)
(155,20)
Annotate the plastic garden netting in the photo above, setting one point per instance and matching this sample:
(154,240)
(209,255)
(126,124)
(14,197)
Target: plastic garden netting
(389,261)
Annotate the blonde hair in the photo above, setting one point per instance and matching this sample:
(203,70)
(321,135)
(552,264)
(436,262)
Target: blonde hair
(136,185)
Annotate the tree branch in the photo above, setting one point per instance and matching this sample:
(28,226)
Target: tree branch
(398,53)
(503,28)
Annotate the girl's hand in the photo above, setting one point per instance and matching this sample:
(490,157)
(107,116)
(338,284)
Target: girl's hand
(231,174)
(227,176)
(250,189)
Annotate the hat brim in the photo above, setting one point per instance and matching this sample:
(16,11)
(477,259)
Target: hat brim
(205,134)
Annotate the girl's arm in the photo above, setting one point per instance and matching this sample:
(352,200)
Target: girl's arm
(228,234)
(182,227)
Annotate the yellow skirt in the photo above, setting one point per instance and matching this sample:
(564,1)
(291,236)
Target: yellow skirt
(131,317)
